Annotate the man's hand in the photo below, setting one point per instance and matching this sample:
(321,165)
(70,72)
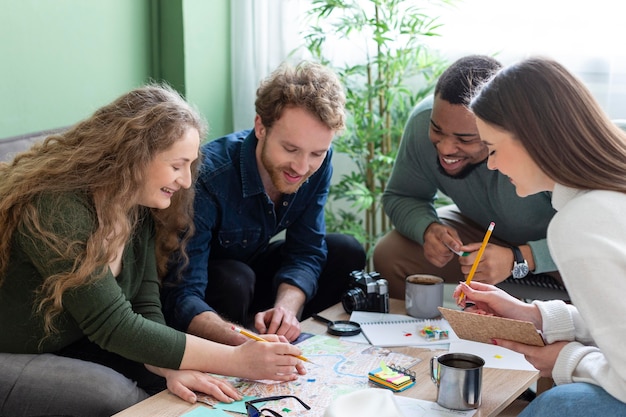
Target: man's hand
(283,318)
(437,239)
(278,321)
(209,325)
(496,263)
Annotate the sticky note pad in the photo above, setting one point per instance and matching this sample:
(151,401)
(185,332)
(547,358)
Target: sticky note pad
(396,379)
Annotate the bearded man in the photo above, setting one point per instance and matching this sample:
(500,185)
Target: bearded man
(253,185)
(442,152)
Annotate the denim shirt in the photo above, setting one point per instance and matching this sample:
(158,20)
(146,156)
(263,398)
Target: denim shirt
(235,219)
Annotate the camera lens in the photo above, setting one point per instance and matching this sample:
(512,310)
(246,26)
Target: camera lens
(354,300)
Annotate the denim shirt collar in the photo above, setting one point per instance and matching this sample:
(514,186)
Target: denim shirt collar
(251,183)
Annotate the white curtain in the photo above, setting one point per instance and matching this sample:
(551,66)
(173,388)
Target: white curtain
(587,37)
(263,34)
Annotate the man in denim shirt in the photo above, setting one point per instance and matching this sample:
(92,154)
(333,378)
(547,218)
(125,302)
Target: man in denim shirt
(253,185)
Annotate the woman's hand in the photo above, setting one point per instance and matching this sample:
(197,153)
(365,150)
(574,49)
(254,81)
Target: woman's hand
(183,383)
(275,360)
(489,299)
(541,357)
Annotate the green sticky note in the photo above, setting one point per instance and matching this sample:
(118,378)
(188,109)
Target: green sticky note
(237,406)
(206,412)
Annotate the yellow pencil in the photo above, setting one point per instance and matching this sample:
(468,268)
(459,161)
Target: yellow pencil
(478,256)
(260,339)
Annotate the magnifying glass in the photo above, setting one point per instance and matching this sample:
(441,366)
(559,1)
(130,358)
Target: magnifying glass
(340,327)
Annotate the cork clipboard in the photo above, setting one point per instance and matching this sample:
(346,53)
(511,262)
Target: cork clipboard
(482,328)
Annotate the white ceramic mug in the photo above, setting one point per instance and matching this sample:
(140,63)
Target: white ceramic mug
(423,294)
(458,377)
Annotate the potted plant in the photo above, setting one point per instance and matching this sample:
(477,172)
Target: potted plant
(390,72)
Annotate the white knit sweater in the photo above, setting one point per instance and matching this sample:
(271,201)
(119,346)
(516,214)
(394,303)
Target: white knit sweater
(587,240)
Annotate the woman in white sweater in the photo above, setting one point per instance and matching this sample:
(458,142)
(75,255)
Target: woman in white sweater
(546,132)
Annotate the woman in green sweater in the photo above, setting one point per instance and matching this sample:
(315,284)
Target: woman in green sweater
(89,219)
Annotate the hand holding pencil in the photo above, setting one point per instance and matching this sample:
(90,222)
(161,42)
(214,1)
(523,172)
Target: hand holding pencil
(258,338)
(470,276)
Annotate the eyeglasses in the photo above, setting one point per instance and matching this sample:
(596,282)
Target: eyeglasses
(255,412)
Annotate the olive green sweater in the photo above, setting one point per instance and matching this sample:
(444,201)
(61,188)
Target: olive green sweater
(121,314)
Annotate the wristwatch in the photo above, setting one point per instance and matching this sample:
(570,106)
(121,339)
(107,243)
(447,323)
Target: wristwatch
(520,266)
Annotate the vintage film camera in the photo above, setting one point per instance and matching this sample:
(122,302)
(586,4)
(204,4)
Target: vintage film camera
(368,292)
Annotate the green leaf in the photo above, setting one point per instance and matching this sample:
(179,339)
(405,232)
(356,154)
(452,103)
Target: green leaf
(396,71)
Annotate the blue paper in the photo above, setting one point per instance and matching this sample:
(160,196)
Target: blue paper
(237,406)
(206,412)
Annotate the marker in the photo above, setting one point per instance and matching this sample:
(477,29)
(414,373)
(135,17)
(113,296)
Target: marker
(458,252)
(260,339)
(477,260)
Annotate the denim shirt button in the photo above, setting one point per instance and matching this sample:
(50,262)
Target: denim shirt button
(285,203)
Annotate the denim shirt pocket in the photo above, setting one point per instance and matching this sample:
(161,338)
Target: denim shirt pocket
(239,238)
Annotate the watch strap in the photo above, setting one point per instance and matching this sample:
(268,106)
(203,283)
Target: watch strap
(520,266)
(517,255)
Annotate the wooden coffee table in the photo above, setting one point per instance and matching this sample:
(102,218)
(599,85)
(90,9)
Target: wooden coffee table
(500,386)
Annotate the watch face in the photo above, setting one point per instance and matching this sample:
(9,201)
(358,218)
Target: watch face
(520,270)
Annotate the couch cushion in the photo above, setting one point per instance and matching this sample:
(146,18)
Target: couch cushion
(11,146)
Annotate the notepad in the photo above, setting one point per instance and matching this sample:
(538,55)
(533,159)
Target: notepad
(392,377)
(389,330)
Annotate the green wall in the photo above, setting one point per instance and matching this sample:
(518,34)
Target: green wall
(62,59)
(207,69)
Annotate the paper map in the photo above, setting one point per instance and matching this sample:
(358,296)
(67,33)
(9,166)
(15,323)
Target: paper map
(341,367)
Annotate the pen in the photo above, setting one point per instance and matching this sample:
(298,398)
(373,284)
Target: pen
(260,339)
(458,252)
(478,256)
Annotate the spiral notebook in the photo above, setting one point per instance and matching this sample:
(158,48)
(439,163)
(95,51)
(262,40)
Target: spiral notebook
(389,330)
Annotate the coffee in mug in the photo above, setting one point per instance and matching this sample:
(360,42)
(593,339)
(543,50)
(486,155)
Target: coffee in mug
(458,377)
(423,294)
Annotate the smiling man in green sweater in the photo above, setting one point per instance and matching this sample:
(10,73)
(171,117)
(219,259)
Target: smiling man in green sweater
(441,151)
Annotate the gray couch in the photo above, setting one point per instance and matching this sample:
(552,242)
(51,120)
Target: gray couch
(9,147)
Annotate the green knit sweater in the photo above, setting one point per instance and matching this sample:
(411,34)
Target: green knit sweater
(121,314)
(483,196)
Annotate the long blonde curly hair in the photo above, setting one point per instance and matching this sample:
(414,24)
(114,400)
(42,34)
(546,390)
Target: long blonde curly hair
(104,157)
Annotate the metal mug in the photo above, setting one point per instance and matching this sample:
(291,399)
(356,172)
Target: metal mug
(423,295)
(458,377)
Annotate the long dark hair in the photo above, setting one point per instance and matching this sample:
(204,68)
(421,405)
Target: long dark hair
(558,121)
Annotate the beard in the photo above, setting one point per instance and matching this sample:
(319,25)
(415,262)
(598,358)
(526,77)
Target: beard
(463,173)
(276,175)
